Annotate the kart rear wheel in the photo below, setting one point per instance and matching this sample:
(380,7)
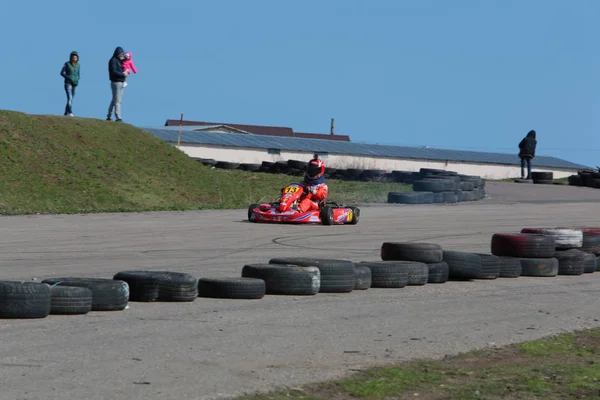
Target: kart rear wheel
(250,208)
(327,215)
(355,215)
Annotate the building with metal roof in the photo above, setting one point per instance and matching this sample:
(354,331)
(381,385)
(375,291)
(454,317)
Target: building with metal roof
(253,148)
(265,130)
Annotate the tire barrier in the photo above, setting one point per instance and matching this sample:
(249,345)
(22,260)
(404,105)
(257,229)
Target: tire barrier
(445,187)
(587,178)
(402,265)
(465,183)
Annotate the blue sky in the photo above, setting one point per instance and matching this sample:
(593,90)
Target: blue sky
(474,75)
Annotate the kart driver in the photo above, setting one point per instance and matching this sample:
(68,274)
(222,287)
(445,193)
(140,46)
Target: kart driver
(315,189)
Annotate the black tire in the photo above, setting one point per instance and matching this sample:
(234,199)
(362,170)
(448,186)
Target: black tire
(24,300)
(387,274)
(159,285)
(462,266)
(420,252)
(142,285)
(70,300)
(590,264)
(490,266)
(597,263)
(449,197)
(467,196)
(337,276)
(570,262)
(438,272)
(523,245)
(418,273)
(575,180)
(427,197)
(405,197)
(362,275)
(281,167)
(543,176)
(355,216)
(432,185)
(523,181)
(326,215)
(451,183)
(591,242)
(540,267)
(353,173)
(226,165)
(266,166)
(476,180)
(285,279)
(402,177)
(434,171)
(250,212)
(467,186)
(296,164)
(371,175)
(107,294)
(176,286)
(250,167)
(510,267)
(208,161)
(231,288)
(438,198)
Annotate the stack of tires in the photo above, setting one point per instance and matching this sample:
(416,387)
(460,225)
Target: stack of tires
(574,249)
(440,186)
(542,178)
(586,178)
(550,251)
(534,252)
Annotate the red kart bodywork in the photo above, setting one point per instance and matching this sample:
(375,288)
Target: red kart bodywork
(283,211)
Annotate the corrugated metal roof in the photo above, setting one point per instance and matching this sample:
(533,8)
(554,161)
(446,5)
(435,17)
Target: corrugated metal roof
(169,134)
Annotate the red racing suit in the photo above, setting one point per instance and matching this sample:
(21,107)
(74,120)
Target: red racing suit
(314,194)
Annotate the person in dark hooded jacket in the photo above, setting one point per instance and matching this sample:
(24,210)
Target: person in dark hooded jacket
(527,153)
(117,78)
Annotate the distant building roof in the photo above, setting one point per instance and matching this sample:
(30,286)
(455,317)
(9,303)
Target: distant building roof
(170,134)
(260,130)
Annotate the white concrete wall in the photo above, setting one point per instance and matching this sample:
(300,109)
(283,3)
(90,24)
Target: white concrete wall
(256,156)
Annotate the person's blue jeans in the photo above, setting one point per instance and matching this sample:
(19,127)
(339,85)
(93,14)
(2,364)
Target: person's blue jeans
(526,160)
(70,89)
(115,103)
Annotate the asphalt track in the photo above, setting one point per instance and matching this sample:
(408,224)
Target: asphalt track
(222,348)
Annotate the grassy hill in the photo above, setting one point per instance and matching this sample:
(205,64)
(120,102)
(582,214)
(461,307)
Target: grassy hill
(53,164)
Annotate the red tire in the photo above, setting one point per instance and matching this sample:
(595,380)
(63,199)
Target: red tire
(523,245)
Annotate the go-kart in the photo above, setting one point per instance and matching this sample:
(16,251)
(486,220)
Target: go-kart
(285,210)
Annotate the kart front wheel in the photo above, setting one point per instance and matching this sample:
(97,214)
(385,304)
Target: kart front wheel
(251,213)
(355,215)
(327,215)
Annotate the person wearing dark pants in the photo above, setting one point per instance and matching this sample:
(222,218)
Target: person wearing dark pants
(117,78)
(70,72)
(527,153)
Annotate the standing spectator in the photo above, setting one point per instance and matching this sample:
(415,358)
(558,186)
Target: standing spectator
(527,152)
(70,71)
(117,78)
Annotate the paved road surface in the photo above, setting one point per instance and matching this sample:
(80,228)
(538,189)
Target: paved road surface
(221,348)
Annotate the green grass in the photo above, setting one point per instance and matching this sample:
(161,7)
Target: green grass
(74,165)
(561,367)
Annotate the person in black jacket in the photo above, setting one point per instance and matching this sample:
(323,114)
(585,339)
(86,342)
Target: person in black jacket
(527,152)
(117,78)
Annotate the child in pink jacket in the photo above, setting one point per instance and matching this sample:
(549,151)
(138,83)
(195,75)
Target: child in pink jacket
(128,64)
